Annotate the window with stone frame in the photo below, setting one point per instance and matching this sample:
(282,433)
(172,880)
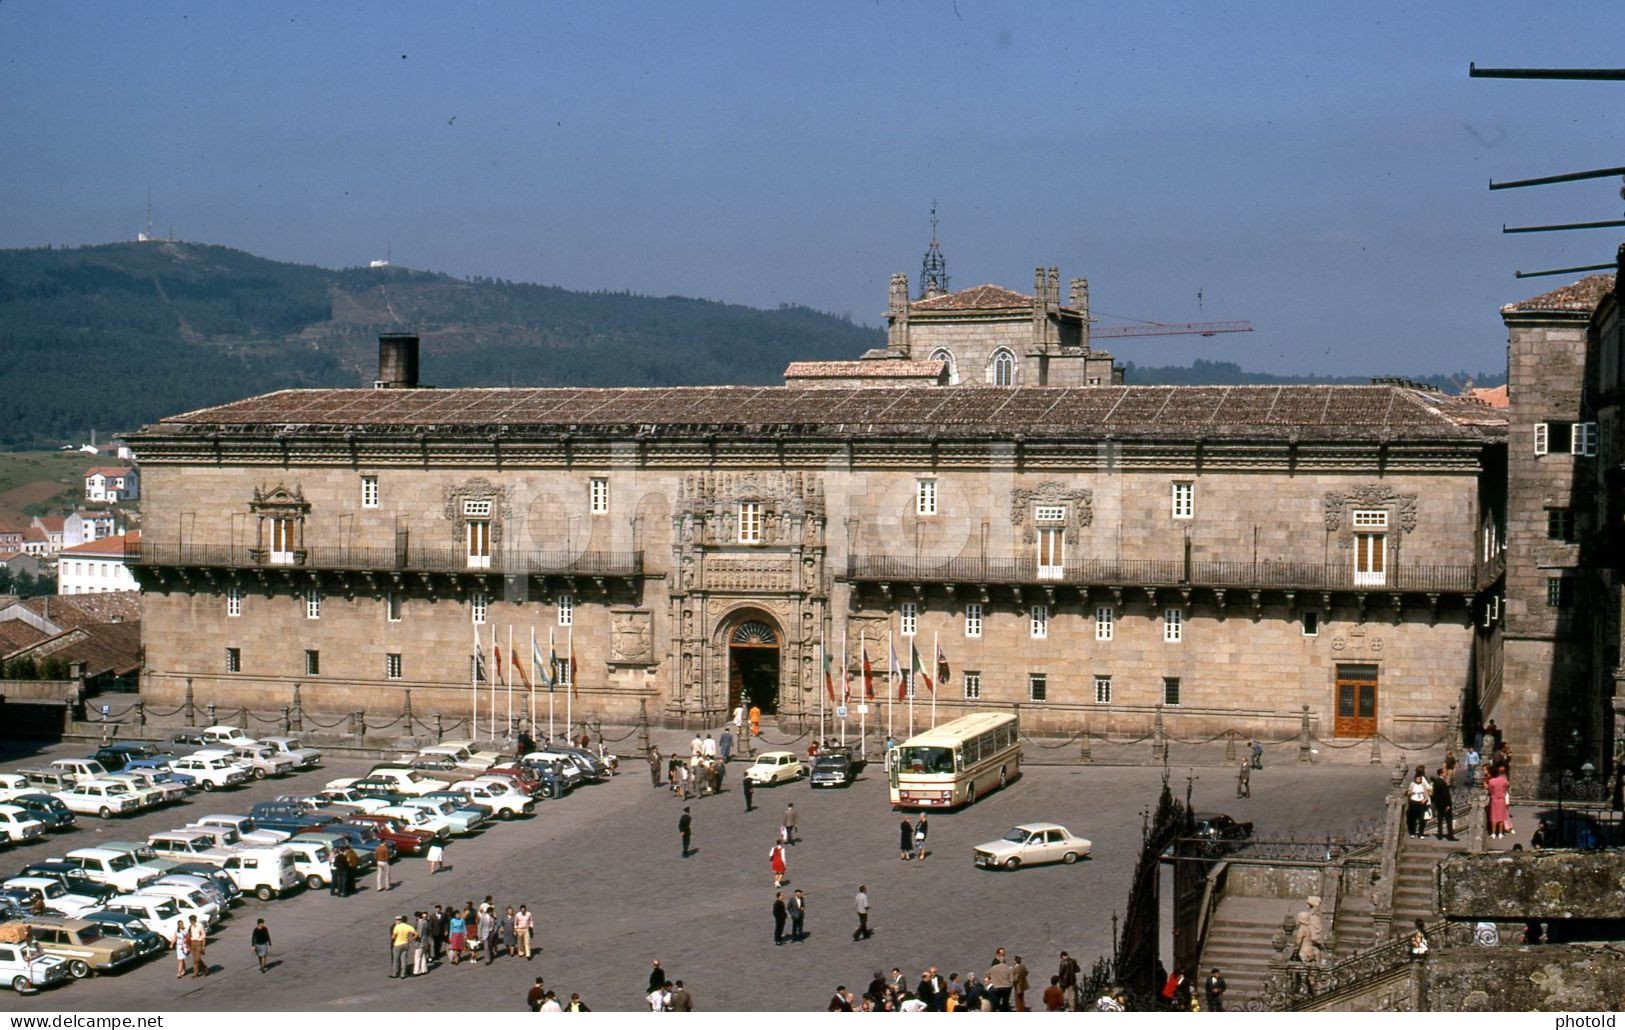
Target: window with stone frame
(392,606)
(973,620)
(313,603)
(478,601)
(1049,525)
(973,685)
(234,602)
(1559,592)
(925,497)
(750,522)
(369,491)
(1560,525)
(908,618)
(1038,621)
(313,662)
(1103,690)
(598,495)
(477,532)
(234,659)
(1170,690)
(567,609)
(1184,500)
(1004,368)
(1104,617)
(392,666)
(1370,546)
(1173,625)
(1037,686)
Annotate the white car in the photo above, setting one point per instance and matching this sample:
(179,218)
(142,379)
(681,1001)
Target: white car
(160,913)
(16,825)
(352,798)
(119,869)
(83,770)
(464,754)
(57,897)
(211,773)
(148,794)
(264,760)
(25,968)
(104,798)
(414,818)
(775,767)
(403,781)
(498,795)
(313,860)
(304,757)
(146,779)
(1032,844)
(187,899)
(188,846)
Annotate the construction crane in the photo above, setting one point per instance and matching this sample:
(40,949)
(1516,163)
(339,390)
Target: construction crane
(1169,329)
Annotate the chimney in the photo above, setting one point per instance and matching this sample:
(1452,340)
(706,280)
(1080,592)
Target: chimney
(1079,299)
(397,362)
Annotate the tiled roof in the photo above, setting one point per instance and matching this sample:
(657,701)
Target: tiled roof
(863,369)
(51,523)
(73,610)
(15,634)
(1577,296)
(977,298)
(103,646)
(1494,396)
(898,411)
(109,470)
(106,547)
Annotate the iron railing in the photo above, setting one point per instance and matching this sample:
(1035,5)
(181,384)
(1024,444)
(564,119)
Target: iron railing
(1255,575)
(152,554)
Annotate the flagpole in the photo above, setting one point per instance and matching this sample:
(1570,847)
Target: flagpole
(912,681)
(570,690)
(823,654)
(891,683)
(936,673)
(507,677)
(474,688)
(552,683)
(846,686)
(863,713)
(531,721)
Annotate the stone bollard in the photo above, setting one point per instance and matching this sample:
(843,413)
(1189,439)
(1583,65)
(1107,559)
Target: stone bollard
(287,721)
(1159,743)
(1086,750)
(643,726)
(1376,748)
(358,723)
(1304,757)
(406,711)
(242,718)
(296,718)
(439,730)
(211,710)
(189,705)
(1230,747)
(140,712)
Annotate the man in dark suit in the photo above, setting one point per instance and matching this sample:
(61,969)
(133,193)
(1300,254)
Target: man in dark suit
(838,1003)
(681,1000)
(1443,809)
(780,913)
(685,826)
(798,916)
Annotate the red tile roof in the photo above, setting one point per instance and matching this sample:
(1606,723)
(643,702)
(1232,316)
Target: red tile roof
(986,297)
(1494,396)
(106,547)
(108,470)
(1583,295)
(72,610)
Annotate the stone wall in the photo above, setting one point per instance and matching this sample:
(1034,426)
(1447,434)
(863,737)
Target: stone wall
(1545,978)
(1518,886)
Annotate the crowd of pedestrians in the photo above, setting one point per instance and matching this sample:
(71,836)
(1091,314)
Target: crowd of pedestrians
(462,935)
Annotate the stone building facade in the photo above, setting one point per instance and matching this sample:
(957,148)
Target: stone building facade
(1228,558)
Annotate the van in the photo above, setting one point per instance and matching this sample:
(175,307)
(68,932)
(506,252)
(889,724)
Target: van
(48,780)
(265,871)
(313,859)
(83,770)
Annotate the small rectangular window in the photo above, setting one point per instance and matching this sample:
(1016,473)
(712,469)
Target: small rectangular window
(973,685)
(1037,687)
(973,620)
(392,606)
(1039,623)
(1050,513)
(598,495)
(1173,625)
(477,603)
(369,491)
(908,618)
(392,666)
(1541,442)
(1560,525)
(925,497)
(1584,439)
(313,603)
(1371,518)
(477,509)
(1103,622)
(1184,502)
(567,609)
(234,659)
(234,602)
(563,673)
(1170,690)
(1103,690)
(1311,624)
(1559,593)
(750,522)
(313,663)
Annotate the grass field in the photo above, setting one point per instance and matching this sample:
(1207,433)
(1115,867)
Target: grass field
(34,482)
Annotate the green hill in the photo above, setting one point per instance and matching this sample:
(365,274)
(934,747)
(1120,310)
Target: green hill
(117,335)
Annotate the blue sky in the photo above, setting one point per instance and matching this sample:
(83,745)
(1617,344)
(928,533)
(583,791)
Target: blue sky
(1319,169)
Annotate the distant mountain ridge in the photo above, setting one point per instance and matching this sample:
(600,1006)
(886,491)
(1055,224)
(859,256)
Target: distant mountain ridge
(113,336)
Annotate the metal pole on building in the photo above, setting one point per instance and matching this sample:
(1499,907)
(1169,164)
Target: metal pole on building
(507,677)
(491,734)
(846,686)
(570,664)
(552,683)
(531,727)
(474,688)
(823,664)
(936,672)
(891,687)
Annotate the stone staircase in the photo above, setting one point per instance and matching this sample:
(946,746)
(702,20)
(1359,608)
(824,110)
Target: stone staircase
(1414,879)
(1240,942)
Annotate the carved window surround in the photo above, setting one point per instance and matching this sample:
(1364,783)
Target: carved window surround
(274,504)
(477,489)
(1024,501)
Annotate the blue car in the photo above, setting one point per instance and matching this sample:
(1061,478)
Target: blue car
(48,810)
(159,767)
(128,927)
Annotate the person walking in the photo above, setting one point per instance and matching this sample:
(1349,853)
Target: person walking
(486,923)
(1443,807)
(423,945)
(457,929)
(862,903)
(776,862)
(1416,804)
(182,949)
(725,747)
(905,839)
(259,939)
(790,823)
(1471,760)
(709,749)
(1018,989)
(685,827)
(781,912)
(1244,780)
(436,856)
(1068,973)
(1257,751)
(400,943)
(509,931)
(382,855)
(654,767)
(523,924)
(919,838)
(1498,785)
(197,941)
(749,805)
(798,916)
(1215,989)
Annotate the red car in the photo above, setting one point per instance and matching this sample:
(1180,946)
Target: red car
(522,781)
(407,841)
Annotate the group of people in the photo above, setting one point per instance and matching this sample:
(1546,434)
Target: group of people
(911,839)
(665,994)
(540,999)
(464,933)
(702,774)
(1001,987)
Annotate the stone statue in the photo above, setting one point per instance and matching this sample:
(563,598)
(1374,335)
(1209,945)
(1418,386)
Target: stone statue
(1309,932)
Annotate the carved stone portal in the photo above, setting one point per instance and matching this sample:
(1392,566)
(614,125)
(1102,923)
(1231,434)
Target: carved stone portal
(1371,495)
(1079,506)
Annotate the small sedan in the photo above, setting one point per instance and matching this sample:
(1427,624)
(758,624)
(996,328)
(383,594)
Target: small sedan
(775,767)
(1032,844)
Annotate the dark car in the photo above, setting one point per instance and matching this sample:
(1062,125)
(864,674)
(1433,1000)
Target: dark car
(221,878)
(114,757)
(363,837)
(554,783)
(48,810)
(68,874)
(835,767)
(159,767)
(1216,826)
(128,927)
(406,840)
(461,800)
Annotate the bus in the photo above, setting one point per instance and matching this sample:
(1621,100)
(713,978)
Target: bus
(957,762)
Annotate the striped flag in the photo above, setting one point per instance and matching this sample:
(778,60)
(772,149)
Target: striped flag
(544,667)
(896,672)
(942,665)
(917,667)
(479,658)
(520,669)
(573,692)
(829,677)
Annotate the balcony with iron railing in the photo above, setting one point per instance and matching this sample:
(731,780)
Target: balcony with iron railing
(147,554)
(1113,572)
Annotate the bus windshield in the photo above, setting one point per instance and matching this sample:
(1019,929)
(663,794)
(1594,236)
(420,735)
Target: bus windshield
(928,759)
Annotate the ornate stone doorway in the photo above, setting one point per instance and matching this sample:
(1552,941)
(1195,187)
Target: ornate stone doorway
(753,665)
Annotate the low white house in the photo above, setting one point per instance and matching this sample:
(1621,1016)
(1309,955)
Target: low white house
(82,527)
(97,567)
(113,483)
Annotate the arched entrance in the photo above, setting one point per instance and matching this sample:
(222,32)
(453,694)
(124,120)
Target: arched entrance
(753,665)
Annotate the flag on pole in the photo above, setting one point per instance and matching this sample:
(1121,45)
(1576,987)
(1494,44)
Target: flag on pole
(549,674)
(572,645)
(496,650)
(896,671)
(917,667)
(868,672)
(520,669)
(846,674)
(479,658)
(942,665)
(829,677)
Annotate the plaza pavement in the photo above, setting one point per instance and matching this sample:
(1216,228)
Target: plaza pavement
(602,872)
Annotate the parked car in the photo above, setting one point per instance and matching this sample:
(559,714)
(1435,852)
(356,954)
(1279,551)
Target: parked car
(82,945)
(567,776)
(60,869)
(211,773)
(351,797)
(362,840)
(264,760)
(57,898)
(188,846)
(121,869)
(775,767)
(1216,826)
(48,781)
(222,891)
(835,767)
(169,789)
(465,753)
(267,872)
(159,913)
(82,770)
(499,795)
(404,781)
(213,736)
(417,818)
(28,969)
(117,755)
(17,824)
(146,794)
(462,820)
(190,900)
(304,757)
(126,927)
(407,841)
(104,798)
(313,860)
(463,803)
(520,778)
(162,771)
(13,781)
(50,812)
(1032,844)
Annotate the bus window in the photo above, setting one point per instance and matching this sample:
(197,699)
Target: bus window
(973,752)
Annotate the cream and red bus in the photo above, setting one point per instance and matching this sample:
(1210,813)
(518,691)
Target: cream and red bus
(957,762)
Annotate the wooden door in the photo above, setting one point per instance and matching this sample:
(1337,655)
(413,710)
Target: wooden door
(1356,701)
